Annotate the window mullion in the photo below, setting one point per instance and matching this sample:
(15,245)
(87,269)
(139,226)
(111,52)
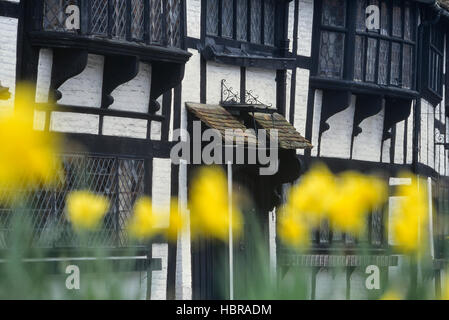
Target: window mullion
(220,18)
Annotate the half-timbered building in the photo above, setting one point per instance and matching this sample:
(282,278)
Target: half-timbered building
(365,88)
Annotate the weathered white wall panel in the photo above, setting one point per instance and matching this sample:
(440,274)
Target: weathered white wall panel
(217,72)
(368,144)
(306,8)
(316,121)
(8,60)
(336,142)
(263,84)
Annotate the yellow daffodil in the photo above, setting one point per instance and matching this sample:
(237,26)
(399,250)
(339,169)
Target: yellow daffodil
(356,196)
(391,295)
(209,205)
(410,217)
(292,229)
(85,210)
(143,223)
(177,221)
(27,157)
(314,194)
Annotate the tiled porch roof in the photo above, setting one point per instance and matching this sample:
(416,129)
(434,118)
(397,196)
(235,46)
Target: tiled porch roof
(217,117)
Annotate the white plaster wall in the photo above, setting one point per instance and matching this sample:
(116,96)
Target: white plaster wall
(8,60)
(217,72)
(423,154)
(410,138)
(263,85)
(336,142)
(368,144)
(193,18)
(399,143)
(306,8)
(301,99)
(316,121)
(386,147)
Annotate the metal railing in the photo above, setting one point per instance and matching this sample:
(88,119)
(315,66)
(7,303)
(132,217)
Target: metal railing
(151,22)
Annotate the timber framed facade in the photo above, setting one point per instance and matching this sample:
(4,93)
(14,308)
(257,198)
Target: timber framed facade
(370,100)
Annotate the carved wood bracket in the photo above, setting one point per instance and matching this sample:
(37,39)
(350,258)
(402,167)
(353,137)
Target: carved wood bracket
(396,110)
(366,106)
(117,71)
(67,63)
(164,76)
(334,101)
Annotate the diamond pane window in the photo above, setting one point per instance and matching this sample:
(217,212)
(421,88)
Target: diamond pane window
(334,13)
(269,10)
(122,181)
(395,72)
(119,19)
(137,19)
(371,55)
(383,62)
(173,14)
(156,21)
(397,19)
(384,19)
(361,15)
(242,20)
(331,54)
(384,56)
(227,22)
(99,17)
(407,62)
(409,24)
(256,21)
(212,17)
(359,58)
(54,14)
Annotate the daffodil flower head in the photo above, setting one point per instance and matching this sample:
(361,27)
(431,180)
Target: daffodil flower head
(28,158)
(314,194)
(293,229)
(209,205)
(143,223)
(86,210)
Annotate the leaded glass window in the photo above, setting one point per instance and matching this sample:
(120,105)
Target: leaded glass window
(384,56)
(242,20)
(334,13)
(256,21)
(331,54)
(435,55)
(54,14)
(253,20)
(269,26)
(227,18)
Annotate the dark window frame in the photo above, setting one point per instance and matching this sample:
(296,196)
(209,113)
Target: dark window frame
(270,48)
(348,75)
(433,50)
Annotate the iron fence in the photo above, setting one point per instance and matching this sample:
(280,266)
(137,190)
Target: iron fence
(121,180)
(158,22)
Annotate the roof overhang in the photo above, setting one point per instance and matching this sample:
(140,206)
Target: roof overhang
(221,119)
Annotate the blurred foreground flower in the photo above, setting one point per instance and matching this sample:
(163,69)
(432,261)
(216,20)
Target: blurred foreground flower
(313,196)
(410,216)
(391,295)
(143,223)
(355,197)
(209,205)
(177,221)
(292,229)
(27,157)
(86,210)
(344,200)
